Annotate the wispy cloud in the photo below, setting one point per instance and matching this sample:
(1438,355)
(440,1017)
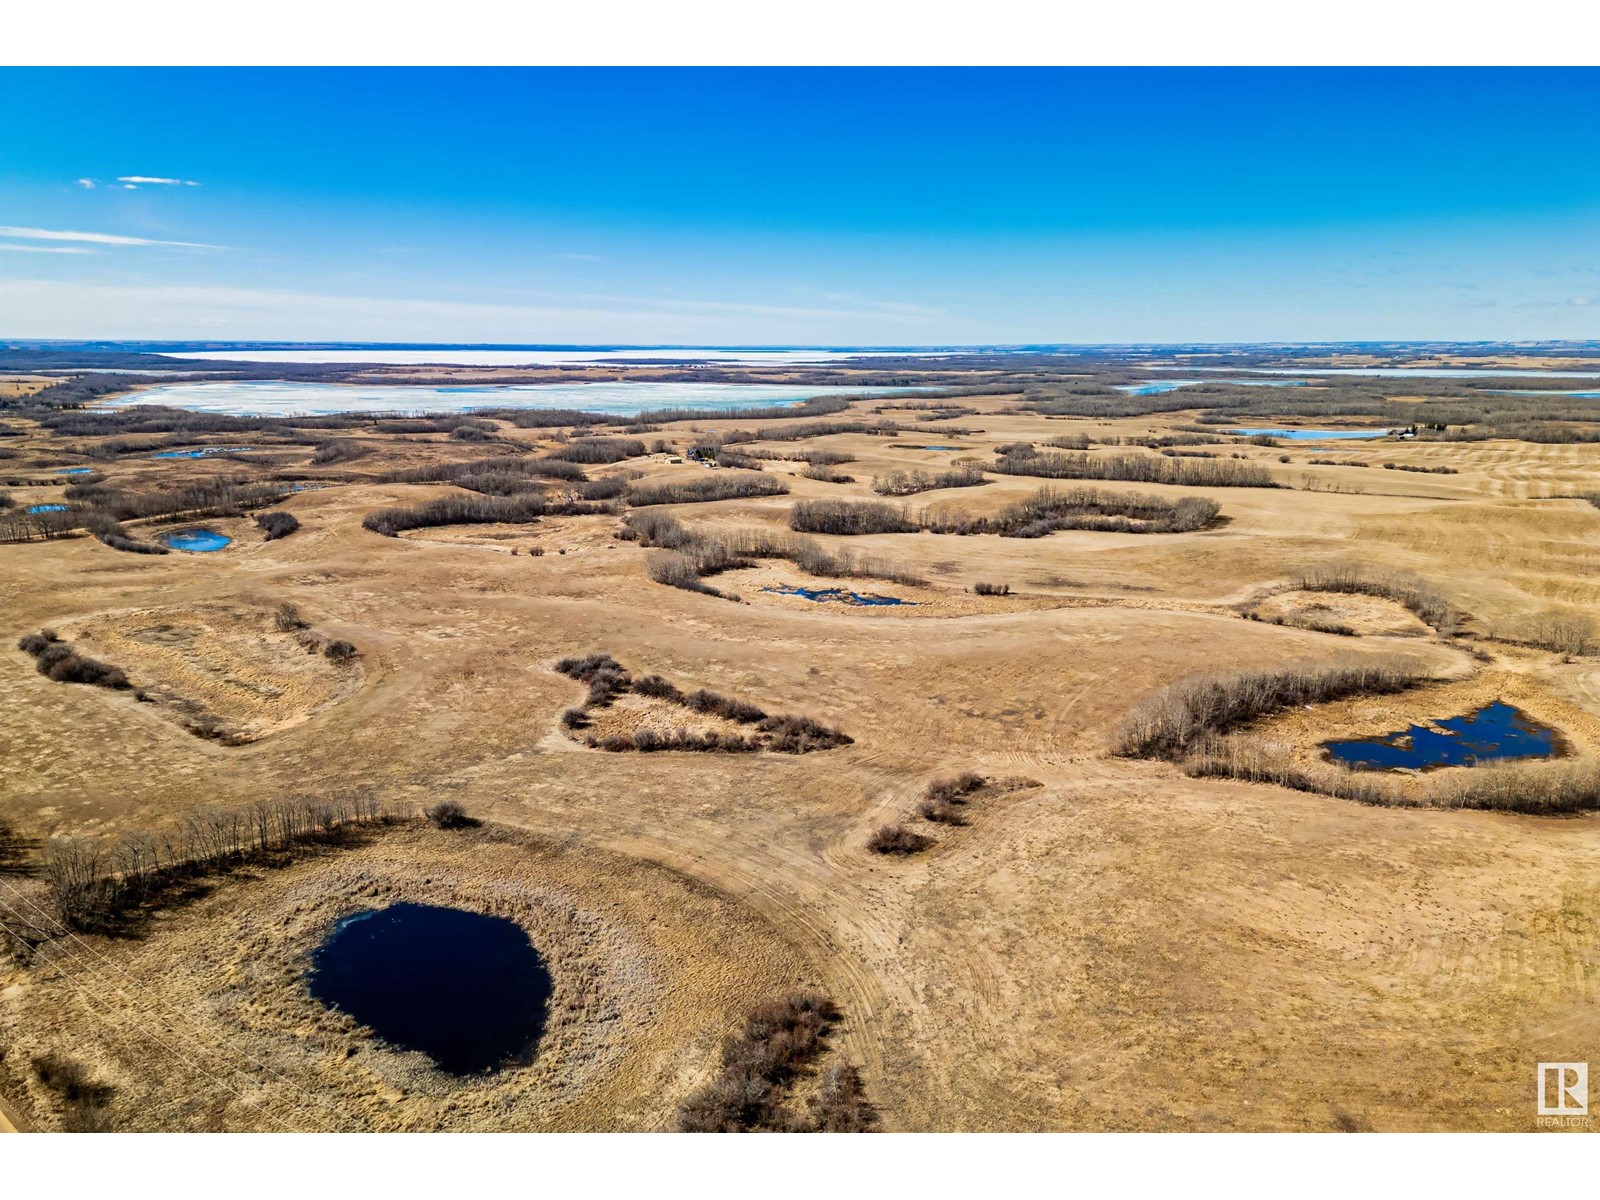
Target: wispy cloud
(52,308)
(102,239)
(44,249)
(134,180)
(86,183)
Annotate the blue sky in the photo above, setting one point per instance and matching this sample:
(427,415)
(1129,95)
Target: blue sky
(858,207)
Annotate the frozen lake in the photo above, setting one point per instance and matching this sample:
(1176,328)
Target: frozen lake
(275,399)
(543,358)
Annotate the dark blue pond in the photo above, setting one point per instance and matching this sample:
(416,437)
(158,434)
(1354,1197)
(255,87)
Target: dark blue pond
(840,596)
(1495,732)
(204,452)
(466,989)
(47,508)
(195,541)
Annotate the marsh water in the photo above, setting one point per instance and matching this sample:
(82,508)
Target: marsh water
(840,596)
(1315,435)
(195,541)
(1496,732)
(464,988)
(203,452)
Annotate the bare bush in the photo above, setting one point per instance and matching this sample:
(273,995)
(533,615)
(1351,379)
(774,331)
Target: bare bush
(840,1104)
(340,651)
(1051,509)
(777,1040)
(992,589)
(340,450)
(897,840)
(1538,788)
(449,814)
(1565,633)
(1137,468)
(55,659)
(1177,717)
(715,486)
(600,450)
(909,483)
(286,618)
(1430,605)
(277,524)
(456,510)
(788,734)
(849,517)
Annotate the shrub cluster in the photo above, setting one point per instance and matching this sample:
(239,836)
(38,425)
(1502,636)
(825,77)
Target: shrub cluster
(727,550)
(600,450)
(1175,719)
(1049,510)
(1430,605)
(992,589)
(909,483)
(1538,788)
(897,840)
(778,1040)
(1135,468)
(849,517)
(95,882)
(1564,633)
(943,799)
(707,488)
(109,531)
(456,510)
(1389,466)
(340,450)
(449,814)
(56,660)
(607,679)
(277,524)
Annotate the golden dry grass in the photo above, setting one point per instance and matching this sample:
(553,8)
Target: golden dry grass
(1120,947)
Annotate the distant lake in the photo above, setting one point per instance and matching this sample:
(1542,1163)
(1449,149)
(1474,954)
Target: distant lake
(545,358)
(1399,372)
(1315,435)
(1573,395)
(1171,385)
(274,399)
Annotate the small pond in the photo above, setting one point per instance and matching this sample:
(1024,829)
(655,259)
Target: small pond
(466,989)
(934,447)
(840,596)
(203,452)
(1493,733)
(74,470)
(47,508)
(195,541)
(1314,435)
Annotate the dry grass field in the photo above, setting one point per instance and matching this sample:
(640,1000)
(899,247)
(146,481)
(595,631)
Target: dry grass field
(1106,943)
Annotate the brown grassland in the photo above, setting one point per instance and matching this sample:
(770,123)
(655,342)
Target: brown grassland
(1097,943)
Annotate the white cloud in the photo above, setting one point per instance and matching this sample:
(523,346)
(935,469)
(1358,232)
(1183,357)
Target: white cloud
(131,180)
(86,183)
(103,239)
(45,249)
